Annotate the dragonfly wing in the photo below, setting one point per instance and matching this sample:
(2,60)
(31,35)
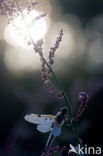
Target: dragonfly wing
(44,129)
(33,118)
(47,120)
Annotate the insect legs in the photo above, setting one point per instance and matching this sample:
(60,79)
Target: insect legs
(50,141)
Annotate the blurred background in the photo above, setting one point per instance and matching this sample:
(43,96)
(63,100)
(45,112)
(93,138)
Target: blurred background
(78,63)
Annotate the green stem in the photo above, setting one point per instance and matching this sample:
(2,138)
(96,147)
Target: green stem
(76,133)
(65,98)
(60,85)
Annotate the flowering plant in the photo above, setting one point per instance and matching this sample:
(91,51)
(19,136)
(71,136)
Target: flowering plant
(51,80)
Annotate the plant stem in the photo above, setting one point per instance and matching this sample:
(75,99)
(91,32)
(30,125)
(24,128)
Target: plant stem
(60,85)
(65,98)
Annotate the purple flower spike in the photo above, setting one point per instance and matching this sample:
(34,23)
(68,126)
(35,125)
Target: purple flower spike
(83,96)
(55,47)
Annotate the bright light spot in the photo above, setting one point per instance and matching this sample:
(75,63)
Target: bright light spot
(95,53)
(18,33)
(3,22)
(21,60)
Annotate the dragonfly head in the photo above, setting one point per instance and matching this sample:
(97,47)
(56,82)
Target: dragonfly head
(63,110)
(60,115)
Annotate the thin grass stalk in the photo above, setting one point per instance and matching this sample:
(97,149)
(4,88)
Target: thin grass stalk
(60,85)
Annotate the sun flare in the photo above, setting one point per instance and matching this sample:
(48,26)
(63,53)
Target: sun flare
(23,27)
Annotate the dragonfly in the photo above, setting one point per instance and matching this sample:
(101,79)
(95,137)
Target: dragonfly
(48,123)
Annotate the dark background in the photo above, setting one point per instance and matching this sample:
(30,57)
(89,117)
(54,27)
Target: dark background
(25,93)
